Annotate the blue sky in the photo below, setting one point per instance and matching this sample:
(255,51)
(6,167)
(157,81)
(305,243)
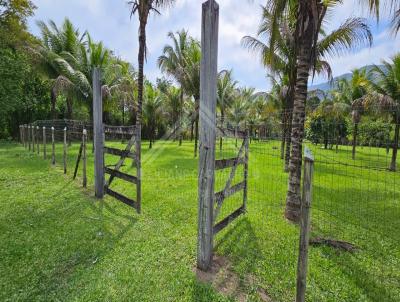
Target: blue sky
(109,21)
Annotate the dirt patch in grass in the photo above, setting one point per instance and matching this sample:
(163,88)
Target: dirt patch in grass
(222,277)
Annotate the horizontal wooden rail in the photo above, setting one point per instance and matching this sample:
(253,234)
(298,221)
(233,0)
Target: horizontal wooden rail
(125,200)
(118,152)
(223,223)
(228,162)
(124,176)
(220,196)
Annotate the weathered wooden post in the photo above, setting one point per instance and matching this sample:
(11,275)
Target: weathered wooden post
(246,170)
(65,151)
(84,136)
(208,99)
(37,140)
(20,134)
(53,147)
(98,131)
(44,142)
(304,226)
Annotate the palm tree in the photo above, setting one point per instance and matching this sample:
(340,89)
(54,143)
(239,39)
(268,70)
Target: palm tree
(173,62)
(309,16)
(348,92)
(384,95)
(191,83)
(239,109)
(152,111)
(279,54)
(173,102)
(226,87)
(143,8)
(59,41)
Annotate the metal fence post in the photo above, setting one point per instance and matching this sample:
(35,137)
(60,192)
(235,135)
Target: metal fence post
(208,97)
(304,226)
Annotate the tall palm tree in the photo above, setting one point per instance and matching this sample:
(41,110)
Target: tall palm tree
(384,95)
(173,104)
(226,88)
(310,15)
(191,83)
(143,8)
(278,54)
(59,40)
(152,111)
(173,62)
(348,92)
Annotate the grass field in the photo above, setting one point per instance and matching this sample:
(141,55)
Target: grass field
(57,243)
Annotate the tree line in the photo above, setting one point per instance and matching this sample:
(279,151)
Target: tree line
(50,76)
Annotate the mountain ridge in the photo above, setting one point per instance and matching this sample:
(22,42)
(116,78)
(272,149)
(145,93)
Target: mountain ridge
(329,85)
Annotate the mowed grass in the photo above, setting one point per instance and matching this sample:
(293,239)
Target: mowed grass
(58,243)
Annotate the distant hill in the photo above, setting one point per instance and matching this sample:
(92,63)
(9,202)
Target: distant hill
(328,85)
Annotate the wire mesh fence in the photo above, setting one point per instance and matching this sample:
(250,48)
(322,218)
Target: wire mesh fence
(355,216)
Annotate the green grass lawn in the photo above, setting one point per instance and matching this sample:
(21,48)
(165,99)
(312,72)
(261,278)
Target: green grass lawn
(57,243)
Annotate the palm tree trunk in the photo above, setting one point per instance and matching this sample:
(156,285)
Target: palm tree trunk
(191,130)
(293,199)
(69,115)
(288,141)
(138,144)
(395,146)
(355,133)
(53,103)
(69,108)
(284,130)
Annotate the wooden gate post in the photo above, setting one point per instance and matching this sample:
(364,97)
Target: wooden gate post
(84,136)
(208,99)
(98,131)
(53,147)
(37,140)
(65,151)
(304,226)
(44,142)
(246,170)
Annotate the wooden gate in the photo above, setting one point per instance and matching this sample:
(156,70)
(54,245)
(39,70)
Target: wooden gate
(242,158)
(114,170)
